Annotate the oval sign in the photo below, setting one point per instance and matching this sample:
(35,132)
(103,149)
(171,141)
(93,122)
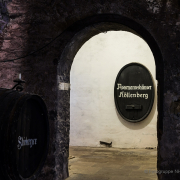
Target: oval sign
(134,92)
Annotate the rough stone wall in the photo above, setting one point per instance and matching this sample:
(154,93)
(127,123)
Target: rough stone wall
(33,35)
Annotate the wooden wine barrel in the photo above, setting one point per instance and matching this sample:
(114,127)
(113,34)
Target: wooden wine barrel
(24,135)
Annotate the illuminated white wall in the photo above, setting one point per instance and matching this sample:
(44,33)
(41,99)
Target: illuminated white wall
(93,115)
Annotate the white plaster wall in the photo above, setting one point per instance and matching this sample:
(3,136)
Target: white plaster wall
(93,115)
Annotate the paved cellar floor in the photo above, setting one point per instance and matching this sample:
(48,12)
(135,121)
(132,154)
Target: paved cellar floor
(88,163)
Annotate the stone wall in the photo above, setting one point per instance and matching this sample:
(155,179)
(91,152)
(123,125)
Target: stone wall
(35,41)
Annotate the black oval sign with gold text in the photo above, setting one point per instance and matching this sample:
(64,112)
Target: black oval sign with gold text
(134,92)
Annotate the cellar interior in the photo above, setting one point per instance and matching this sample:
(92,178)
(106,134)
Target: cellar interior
(95,124)
(41,44)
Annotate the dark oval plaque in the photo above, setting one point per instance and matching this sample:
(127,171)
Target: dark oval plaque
(134,92)
(24,135)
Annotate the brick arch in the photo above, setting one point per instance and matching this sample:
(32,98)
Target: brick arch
(73,39)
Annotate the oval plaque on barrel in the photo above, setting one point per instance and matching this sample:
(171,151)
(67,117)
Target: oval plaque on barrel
(24,135)
(134,92)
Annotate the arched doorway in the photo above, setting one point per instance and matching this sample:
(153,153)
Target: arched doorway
(93,115)
(74,38)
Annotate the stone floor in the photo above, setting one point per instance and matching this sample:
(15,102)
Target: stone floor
(87,163)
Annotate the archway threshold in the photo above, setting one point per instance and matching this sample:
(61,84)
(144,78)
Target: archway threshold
(90,163)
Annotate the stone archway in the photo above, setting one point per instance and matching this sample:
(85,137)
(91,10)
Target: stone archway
(77,36)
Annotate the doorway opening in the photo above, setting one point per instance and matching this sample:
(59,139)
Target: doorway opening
(93,115)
